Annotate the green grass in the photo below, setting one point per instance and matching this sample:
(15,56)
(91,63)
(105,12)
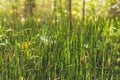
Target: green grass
(46,51)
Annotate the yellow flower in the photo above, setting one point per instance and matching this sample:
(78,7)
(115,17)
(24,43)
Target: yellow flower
(108,62)
(25,45)
(118,60)
(84,59)
(21,78)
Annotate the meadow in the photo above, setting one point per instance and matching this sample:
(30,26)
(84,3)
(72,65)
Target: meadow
(43,47)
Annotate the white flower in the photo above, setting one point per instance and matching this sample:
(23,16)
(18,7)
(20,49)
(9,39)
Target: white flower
(114,28)
(46,40)
(79,3)
(4,19)
(86,45)
(65,11)
(22,19)
(43,39)
(38,20)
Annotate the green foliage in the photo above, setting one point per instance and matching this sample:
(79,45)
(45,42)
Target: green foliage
(37,48)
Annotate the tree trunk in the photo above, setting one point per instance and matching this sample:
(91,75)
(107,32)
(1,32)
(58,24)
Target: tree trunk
(70,13)
(55,17)
(83,14)
(29,5)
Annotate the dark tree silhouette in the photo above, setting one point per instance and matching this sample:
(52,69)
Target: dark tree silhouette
(83,14)
(55,17)
(70,13)
(29,5)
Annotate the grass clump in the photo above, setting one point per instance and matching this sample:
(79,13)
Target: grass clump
(33,48)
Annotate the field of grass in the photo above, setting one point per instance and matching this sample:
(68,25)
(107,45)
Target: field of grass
(35,49)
